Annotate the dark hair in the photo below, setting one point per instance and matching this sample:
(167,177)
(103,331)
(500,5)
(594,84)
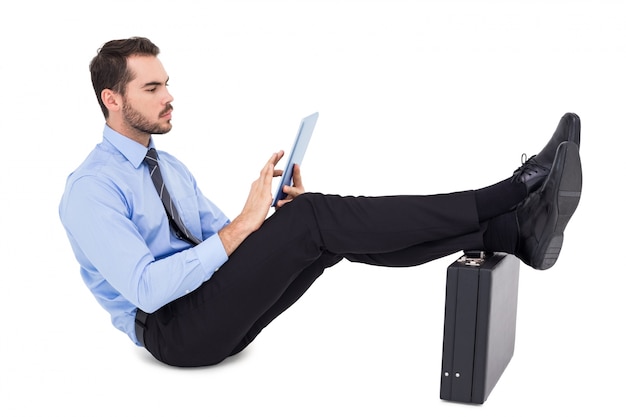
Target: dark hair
(109,67)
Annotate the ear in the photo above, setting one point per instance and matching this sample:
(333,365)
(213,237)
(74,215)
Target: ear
(111,99)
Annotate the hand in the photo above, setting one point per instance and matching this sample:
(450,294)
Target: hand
(255,209)
(292,191)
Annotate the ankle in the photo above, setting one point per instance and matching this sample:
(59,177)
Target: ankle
(499,198)
(502,233)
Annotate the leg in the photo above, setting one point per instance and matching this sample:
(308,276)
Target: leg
(279,262)
(292,294)
(424,252)
(276,264)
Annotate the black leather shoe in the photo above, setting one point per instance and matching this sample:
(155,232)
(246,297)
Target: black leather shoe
(568,130)
(543,215)
(534,171)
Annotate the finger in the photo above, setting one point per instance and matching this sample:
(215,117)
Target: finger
(270,162)
(292,192)
(297,176)
(281,203)
(267,173)
(276,156)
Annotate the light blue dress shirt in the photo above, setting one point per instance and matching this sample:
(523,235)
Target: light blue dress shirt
(120,233)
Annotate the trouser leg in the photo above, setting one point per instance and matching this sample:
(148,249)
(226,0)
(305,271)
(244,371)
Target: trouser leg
(292,294)
(276,264)
(412,256)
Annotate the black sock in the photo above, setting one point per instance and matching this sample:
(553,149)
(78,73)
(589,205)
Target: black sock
(499,198)
(501,234)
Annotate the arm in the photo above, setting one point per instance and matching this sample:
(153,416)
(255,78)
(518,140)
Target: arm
(102,224)
(258,204)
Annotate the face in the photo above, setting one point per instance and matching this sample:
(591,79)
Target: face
(146,107)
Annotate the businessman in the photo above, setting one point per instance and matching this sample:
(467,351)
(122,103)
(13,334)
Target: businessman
(194,287)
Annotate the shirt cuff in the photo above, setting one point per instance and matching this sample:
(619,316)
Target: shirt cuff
(211,254)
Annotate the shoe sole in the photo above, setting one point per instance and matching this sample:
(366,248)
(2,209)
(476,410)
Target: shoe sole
(574,129)
(564,203)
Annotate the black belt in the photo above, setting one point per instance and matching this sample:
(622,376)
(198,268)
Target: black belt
(140,326)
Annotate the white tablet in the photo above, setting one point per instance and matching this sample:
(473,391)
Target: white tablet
(297,154)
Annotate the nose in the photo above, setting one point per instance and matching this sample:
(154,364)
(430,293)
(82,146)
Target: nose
(168,98)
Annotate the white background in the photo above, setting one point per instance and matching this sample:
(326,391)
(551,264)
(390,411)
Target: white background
(414,97)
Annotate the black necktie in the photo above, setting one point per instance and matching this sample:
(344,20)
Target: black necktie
(175,221)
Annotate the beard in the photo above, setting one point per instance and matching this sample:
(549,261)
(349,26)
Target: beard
(139,122)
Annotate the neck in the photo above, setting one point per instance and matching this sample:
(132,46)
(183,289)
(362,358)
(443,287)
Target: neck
(130,132)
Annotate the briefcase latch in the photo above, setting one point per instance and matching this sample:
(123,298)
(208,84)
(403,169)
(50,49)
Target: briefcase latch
(473,258)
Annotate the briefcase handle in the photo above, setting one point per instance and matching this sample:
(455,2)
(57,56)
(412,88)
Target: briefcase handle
(474,257)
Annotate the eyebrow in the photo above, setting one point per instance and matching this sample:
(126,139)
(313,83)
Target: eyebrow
(155,83)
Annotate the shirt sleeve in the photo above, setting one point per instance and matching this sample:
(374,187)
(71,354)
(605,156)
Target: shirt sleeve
(97,218)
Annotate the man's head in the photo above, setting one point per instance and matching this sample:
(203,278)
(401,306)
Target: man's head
(131,87)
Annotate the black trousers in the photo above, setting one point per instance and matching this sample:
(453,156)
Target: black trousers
(278,263)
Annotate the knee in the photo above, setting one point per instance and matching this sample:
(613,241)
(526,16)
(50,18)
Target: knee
(304,203)
(301,212)
(311,201)
(310,206)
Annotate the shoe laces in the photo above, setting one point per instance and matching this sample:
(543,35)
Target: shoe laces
(529,166)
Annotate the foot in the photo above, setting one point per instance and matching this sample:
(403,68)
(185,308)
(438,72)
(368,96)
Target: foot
(543,215)
(535,170)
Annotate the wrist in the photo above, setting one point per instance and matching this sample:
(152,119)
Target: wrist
(233,234)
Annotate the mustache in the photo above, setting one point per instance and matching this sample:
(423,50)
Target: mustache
(168,108)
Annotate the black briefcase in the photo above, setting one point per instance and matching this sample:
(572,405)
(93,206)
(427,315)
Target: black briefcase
(479,324)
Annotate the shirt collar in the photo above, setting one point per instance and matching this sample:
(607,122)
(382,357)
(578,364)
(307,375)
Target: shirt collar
(133,151)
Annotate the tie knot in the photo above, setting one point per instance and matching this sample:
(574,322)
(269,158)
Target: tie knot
(151,157)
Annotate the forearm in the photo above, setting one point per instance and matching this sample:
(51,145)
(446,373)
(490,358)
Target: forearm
(233,234)
(162,281)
